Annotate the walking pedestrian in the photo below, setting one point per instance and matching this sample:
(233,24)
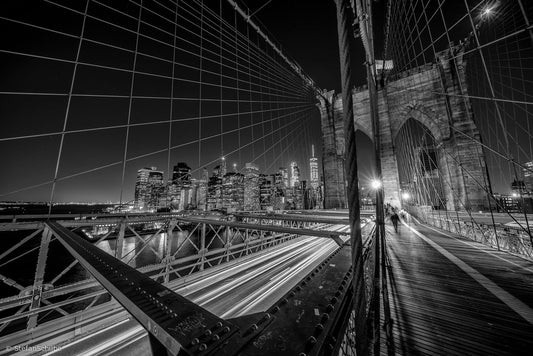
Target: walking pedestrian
(394,218)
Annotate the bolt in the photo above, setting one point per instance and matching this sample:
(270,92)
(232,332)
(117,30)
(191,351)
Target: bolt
(207,332)
(195,341)
(202,347)
(318,329)
(325,317)
(330,308)
(253,328)
(311,341)
(292,294)
(333,300)
(275,309)
(218,324)
(215,338)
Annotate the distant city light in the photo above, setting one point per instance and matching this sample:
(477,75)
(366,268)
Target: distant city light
(406,196)
(487,11)
(514,195)
(375,184)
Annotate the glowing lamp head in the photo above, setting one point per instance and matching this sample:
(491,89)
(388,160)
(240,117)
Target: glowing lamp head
(514,195)
(406,196)
(223,158)
(487,11)
(375,184)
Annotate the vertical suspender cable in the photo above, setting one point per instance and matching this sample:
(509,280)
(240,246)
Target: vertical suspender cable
(344,34)
(130,104)
(67,111)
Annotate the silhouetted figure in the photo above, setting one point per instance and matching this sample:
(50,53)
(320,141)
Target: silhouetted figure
(394,218)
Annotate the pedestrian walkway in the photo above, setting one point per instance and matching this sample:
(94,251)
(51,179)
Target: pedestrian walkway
(451,296)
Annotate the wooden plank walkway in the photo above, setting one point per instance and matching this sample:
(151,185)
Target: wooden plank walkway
(451,296)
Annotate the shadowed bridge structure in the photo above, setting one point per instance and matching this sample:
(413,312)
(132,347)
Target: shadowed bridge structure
(247,262)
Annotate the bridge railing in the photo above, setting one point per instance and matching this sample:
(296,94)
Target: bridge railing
(499,236)
(348,340)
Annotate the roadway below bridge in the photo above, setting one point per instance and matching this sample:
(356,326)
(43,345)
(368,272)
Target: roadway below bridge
(249,285)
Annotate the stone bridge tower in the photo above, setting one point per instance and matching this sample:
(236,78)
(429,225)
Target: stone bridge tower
(416,94)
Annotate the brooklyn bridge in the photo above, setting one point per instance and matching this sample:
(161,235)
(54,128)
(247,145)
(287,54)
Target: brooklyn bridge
(349,177)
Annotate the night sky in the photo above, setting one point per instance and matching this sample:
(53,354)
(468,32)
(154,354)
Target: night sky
(265,116)
(91,166)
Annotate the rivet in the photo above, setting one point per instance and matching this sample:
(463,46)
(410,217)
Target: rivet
(318,329)
(325,317)
(265,317)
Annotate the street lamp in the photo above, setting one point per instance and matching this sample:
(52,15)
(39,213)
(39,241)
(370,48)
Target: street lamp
(406,196)
(375,184)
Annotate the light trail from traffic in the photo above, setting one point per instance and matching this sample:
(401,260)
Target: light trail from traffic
(244,288)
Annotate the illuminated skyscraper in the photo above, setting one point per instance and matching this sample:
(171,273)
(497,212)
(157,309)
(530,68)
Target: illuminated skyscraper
(181,174)
(149,188)
(295,175)
(313,169)
(223,169)
(284,176)
(251,187)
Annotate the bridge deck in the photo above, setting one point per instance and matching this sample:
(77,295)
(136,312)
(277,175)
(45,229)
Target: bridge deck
(451,296)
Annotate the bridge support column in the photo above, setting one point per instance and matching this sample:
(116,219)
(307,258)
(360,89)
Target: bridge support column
(120,240)
(389,164)
(168,245)
(333,151)
(39,277)
(465,160)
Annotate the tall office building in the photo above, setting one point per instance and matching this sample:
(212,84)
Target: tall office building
(201,190)
(180,188)
(295,175)
(265,192)
(223,169)
(251,187)
(232,191)
(313,169)
(149,188)
(284,176)
(181,174)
